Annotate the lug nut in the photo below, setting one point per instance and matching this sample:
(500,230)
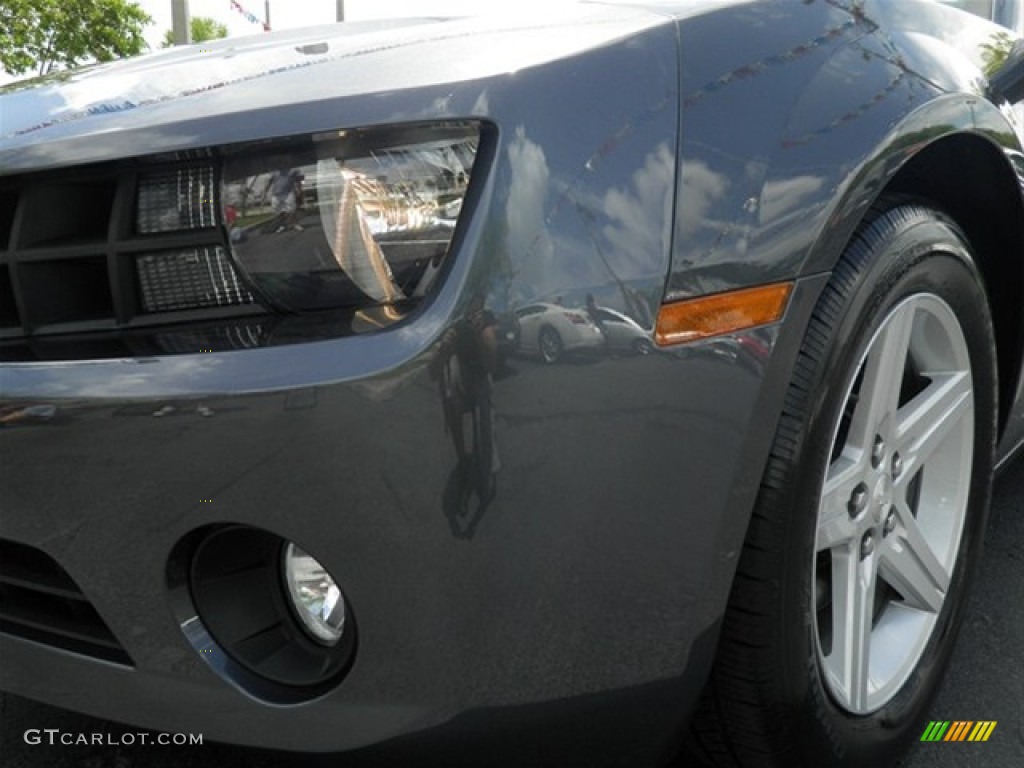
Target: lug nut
(890,523)
(867,545)
(877,452)
(858,500)
(897,466)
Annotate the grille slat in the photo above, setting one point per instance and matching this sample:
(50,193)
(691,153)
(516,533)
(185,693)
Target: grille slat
(24,580)
(39,601)
(8,310)
(8,205)
(129,245)
(34,611)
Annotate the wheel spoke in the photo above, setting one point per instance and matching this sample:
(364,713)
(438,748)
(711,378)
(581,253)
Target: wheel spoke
(853,598)
(883,376)
(908,563)
(834,524)
(924,422)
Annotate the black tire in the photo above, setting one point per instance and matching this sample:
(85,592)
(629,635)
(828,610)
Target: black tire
(550,345)
(772,698)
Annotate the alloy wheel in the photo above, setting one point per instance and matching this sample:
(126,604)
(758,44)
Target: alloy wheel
(893,503)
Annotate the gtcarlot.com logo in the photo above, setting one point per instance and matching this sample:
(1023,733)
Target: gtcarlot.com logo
(56,737)
(958,730)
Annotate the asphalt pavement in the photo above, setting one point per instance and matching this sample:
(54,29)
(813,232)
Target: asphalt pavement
(986,677)
(985,682)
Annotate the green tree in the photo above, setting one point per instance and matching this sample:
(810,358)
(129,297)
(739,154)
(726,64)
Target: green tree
(43,34)
(202,28)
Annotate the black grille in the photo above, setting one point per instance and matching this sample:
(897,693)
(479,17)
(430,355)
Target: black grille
(40,601)
(223,338)
(115,249)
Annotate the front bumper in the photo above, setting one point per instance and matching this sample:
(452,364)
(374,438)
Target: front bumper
(595,574)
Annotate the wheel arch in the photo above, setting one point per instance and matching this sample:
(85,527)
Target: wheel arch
(968,178)
(953,154)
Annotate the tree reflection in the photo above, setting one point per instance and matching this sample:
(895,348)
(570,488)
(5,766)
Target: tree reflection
(995,52)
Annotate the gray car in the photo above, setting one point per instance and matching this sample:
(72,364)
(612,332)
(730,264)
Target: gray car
(267,476)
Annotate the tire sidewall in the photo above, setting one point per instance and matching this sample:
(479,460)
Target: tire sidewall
(557,346)
(925,255)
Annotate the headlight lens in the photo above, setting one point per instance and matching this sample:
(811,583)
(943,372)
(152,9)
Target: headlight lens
(350,218)
(315,596)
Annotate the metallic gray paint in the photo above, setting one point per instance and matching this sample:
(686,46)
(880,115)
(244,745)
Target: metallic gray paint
(602,565)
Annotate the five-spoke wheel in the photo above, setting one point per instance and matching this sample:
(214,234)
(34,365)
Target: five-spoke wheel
(893,503)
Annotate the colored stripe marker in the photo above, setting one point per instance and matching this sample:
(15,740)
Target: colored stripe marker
(959,730)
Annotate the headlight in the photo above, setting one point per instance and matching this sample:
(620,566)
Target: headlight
(315,596)
(350,218)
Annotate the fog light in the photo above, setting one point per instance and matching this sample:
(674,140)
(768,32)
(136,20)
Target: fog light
(315,596)
(261,612)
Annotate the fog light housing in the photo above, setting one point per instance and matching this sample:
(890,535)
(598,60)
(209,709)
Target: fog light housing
(261,612)
(315,596)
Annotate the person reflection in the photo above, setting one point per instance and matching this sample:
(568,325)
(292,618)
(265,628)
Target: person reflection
(594,313)
(464,367)
(285,188)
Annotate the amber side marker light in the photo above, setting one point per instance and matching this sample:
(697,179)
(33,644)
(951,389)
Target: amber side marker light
(701,318)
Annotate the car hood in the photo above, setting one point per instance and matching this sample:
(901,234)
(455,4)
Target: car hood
(199,95)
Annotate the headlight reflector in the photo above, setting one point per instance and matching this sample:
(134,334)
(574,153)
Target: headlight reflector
(315,596)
